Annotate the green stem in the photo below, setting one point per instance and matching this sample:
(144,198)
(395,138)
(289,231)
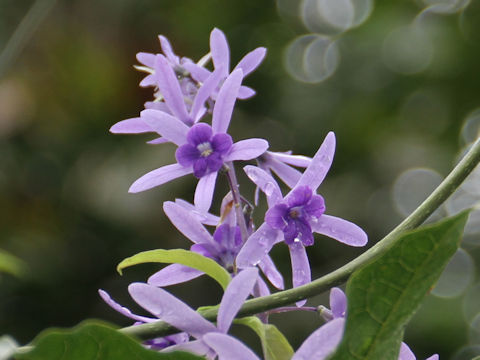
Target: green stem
(282,298)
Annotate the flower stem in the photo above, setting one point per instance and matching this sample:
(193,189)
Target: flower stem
(237,200)
(282,298)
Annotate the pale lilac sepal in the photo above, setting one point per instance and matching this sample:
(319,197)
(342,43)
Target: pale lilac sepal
(300,267)
(173,274)
(131,126)
(245,92)
(121,309)
(187,223)
(235,295)
(261,288)
(167,49)
(258,245)
(266,183)
(252,60)
(322,342)
(166,125)
(271,272)
(204,93)
(247,149)
(229,348)
(170,89)
(434,357)
(158,177)
(295,160)
(157,141)
(204,217)
(147,59)
(340,230)
(204,191)
(199,73)
(196,347)
(321,162)
(220,50)
(285,172)
(406,353)
(222,111)
(148,80)
(338,302)
(169,309)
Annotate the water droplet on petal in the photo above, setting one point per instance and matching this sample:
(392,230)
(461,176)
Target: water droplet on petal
(269,189)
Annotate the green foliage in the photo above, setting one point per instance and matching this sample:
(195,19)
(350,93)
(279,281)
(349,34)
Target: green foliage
(384,295)
(180,256)
(93,340)
(274,344)
(11,264)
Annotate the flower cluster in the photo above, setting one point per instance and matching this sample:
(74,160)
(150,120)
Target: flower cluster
(192,109)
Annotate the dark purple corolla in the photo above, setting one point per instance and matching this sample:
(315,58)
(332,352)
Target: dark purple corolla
(294,218)
(202,150)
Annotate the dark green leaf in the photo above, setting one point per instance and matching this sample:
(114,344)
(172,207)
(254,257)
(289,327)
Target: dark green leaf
(275,346)
(384,295)
(93,340)
(180,256)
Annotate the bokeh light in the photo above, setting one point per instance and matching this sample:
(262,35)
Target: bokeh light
(311,58)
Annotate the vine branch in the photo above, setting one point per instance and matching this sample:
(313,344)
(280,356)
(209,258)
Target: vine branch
(282,298)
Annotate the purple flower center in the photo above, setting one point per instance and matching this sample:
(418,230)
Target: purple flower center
(203,150)
(295,215)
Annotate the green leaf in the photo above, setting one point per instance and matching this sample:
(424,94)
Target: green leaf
(274,344)
(11,264)
(384,295)
(93,340)
(180,256)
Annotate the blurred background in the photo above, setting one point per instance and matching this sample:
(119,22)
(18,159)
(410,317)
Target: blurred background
(398,82)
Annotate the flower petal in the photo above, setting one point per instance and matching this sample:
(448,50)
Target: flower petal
(168,308)
(204,92)
(300,265)
(122,309)
(340,230)
(173,274)
(199,133)
(275,216)
(235,295)
(187,223)
(220,50)
(222,111)
(338,302)
(321,162)
(271,272)
(159,140)
(258,245)
(166,125)
(158,177)
(251,61)
(322,342)
(221,143)
(187,154)
(229,348)
(170,89)
(204,191)
(266,183)
(197,347)
(131,126)
(247,149)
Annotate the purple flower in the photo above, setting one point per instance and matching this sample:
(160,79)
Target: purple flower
(178,314)
(157,343)
(222,247)
(220,53)
(295,217)
(206,149)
